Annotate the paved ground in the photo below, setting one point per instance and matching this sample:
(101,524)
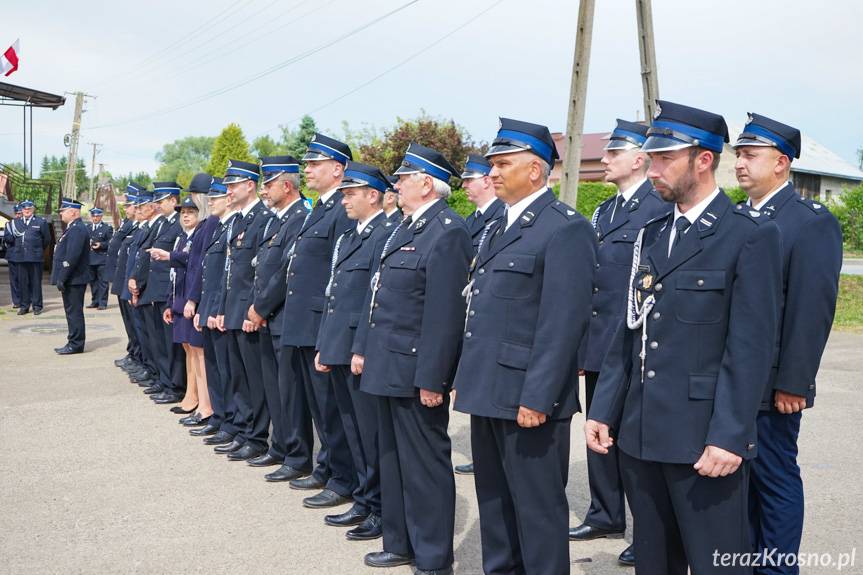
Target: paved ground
(97,479)
(852,266)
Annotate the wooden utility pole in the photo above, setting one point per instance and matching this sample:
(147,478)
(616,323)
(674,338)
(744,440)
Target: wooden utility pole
(93,172)
(649,80)
(72,164)
(577,100)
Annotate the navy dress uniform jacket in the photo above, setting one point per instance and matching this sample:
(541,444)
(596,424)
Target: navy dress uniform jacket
(179,259)
(114,246)
(239,277)
(346,306)
(153,277)
(615,262)
(811,262)
(100,234)
(711,338)
(72,256)
(476,225)
(194,266)
(415,333)
(520,340)
(310,270)
(213,272)
(270,281)
(126,261)
(30,239)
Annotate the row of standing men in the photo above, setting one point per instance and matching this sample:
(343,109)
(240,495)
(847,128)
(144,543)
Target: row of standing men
(361,325)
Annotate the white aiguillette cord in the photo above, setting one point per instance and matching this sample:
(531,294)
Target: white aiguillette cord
(637,317)
(376,279)
(467,292)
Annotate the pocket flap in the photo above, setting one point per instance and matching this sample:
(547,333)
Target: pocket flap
(363,264)
(702,386)
(701,279)
(514,355)
(406,261)
(354,320)
(522,263)
(318,303)
(403,343)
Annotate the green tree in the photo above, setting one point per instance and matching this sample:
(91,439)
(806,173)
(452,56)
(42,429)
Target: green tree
(297,140)
(231,144)
(266,146)
(143,179)
(182,159)
(848,209)
(55,168)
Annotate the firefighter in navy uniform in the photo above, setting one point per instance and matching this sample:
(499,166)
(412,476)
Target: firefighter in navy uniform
(680,387)
(616,221)
(416,318)
(118,255)
(11,260)
(71,272)
(100,239)
(811,262)
(391,201)
(31,236)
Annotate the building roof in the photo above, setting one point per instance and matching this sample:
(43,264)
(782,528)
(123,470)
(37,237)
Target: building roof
(591,146)
(814,158)
(30,97)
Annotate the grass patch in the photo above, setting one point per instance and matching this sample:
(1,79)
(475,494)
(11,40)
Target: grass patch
(849,307)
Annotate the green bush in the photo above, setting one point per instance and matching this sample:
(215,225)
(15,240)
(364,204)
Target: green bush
(458,201)
(736,195)
(590,195)
(848,209)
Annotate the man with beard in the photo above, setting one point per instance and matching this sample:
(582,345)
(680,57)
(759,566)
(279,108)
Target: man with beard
(680,387)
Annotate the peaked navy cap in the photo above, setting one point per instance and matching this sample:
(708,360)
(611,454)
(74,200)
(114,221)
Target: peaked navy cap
(357,175)
(130,199)
(96,211)
(626,135)
(518,136)
(135,189)
(476,167)
(421,160)
(69,203)
(200,184)
(28,203)
(162,190)
(145,198)
(274,166)
(240,172)
(187,202)
(217,188)
(676,126)
(17,208)
(391,182)
(762,131)
(325,148)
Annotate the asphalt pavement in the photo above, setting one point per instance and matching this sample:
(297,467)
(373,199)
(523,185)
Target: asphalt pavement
(95,478)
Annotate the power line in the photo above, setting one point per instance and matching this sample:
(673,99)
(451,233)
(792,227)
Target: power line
(264,73)
(382,74)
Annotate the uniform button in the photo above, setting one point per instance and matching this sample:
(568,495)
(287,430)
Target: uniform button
(651,374)
(316,232)
(601,241)
(413,350)
(653,345)
(330,310)
(203,280)
(467,335)
(700,283)
(481,271)
(373,326)
(596,290)
(750,446)
(656,315)
(338,272)
(472,313)
(383,266)
(511,264)
(658,287)
(593,313)
(376,305)
(332,297)
(292,274)
(335,284)
(597,266)
(476,292)
(624,236)
(290,293)
(812,386)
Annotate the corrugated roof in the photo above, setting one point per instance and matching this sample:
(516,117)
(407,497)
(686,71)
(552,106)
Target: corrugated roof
(31,97)
(814,158)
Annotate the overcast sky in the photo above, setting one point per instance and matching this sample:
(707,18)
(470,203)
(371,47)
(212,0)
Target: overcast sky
(163,70)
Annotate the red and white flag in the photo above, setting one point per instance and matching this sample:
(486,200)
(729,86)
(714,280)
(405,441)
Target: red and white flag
(9,59)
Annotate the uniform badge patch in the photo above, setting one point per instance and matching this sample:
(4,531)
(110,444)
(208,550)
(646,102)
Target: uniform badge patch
(646,281)
(754,213)
(570,212)
(447,221)
(420,224)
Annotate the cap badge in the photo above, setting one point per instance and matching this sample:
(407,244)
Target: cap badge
(748,118)
(658,111)
(314,137)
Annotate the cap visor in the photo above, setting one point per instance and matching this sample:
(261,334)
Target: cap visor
(661,144)
(619,145)
(234,179)
(749,142)
(505,149)
(315,157)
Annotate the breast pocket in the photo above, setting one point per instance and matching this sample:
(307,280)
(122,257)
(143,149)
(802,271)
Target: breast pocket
(701,296)
(402,271)
(513,276)
(315,242)
(621,247)
(357,273)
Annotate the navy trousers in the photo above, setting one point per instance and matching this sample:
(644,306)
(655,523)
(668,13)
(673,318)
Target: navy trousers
(98,285)
(217,366)
(139,320)
(328,422)
(245,357)
(73,305)
(607,503)
(417,482)
(13,283)
(299,436)
(685,519)
(133,345)
(270,347)
(30,284)
(776,490)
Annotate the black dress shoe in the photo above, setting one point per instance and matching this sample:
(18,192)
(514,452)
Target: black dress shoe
(233,446)
(68,351)
(349,518)
(464,469)
(37,312)
(148,383)
(123,361)
(93,305)
(627,557)
(326,498)
(306,483)
(155,392)
(197,421)
(444,571)
(387,559)
(220,438)
(371,528)
(103,307)
(192,417)
(265,460)
(585,532)
(284,473)
(205,431)
(179,409)
(168,398)
(23,311)
(244,453)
